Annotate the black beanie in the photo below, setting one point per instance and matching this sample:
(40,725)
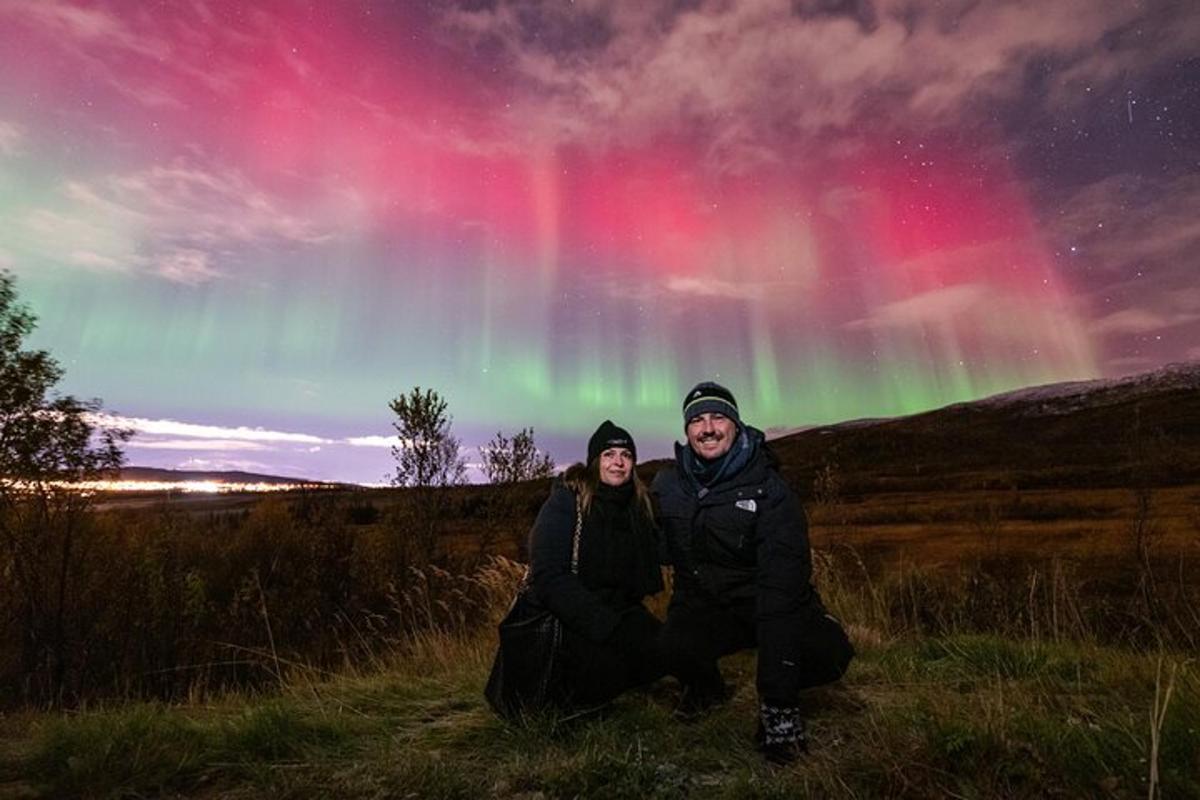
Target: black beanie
(609,435)
(706,397)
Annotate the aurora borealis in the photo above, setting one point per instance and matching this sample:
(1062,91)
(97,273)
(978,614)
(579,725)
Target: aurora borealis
(247,226)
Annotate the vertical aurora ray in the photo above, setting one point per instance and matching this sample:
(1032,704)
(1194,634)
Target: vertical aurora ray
(766,377)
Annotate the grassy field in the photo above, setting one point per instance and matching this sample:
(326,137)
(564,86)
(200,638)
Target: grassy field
(957,716)
(993,664)
(947,526)
(164,602)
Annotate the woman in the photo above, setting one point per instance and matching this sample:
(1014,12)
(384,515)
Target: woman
(609,638)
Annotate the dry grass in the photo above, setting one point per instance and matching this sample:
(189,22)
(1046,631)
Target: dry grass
(1034,706)
(170,604)
(946,526)
(962,715)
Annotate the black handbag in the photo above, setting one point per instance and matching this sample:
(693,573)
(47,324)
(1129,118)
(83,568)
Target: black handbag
(526,672)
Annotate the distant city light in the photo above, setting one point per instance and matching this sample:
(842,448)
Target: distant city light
(186,487)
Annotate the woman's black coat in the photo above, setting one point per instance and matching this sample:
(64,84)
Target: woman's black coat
(618,562)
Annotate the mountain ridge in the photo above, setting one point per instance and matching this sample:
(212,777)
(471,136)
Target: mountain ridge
(136,473)
(1139,429)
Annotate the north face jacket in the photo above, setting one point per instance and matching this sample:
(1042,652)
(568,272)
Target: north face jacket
(740,543)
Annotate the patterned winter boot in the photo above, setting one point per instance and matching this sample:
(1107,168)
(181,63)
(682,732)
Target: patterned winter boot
(782,736)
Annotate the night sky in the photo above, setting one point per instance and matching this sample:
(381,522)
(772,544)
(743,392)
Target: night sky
(247,226)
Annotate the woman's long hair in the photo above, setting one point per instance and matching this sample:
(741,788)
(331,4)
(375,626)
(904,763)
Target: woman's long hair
(583,480)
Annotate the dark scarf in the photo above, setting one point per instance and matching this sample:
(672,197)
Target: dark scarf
(612,497)
(704,474)
(619,556)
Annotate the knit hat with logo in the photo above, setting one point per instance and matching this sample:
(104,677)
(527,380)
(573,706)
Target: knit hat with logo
(609,435)
(709,397)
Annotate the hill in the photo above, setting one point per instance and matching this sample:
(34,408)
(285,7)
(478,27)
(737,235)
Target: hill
(158,475)
(1140,430)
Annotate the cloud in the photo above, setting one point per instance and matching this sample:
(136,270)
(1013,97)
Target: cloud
(755,73)
(158,442)
(197,444)
(1140,320)
(77,237)
(751,282)
(1187,299)
(1130,320)
(143,56)
(96,261)
(93,35)
(75,23)
(170,59)
(177,222)
(187,202)
(10,139)
(227,465)
(714,287)
(371,441)
(1123,220)
(936,306)
(209,437)
(1135,240)
(1125,52)
(169,427)
(189,267)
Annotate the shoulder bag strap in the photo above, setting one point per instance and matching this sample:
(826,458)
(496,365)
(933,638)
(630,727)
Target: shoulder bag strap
(574,548)
(578,533)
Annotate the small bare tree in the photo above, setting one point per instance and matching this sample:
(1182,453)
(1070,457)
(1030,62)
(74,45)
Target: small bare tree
(827,486)
(428,458)
(1144,530)
(1144,449)
(427,453)
(517,459)
(986,521)
(507,462)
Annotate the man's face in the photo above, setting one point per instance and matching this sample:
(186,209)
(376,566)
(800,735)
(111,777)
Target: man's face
(711,434)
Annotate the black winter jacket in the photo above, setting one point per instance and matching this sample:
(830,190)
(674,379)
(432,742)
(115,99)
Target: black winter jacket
(741,544)
(618,559)
(744,538)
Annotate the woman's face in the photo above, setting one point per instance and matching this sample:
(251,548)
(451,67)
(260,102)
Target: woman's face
(616,465)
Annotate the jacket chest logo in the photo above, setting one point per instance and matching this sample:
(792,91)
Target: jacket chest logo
(747,505)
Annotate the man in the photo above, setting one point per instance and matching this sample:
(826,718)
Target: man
(737,538)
